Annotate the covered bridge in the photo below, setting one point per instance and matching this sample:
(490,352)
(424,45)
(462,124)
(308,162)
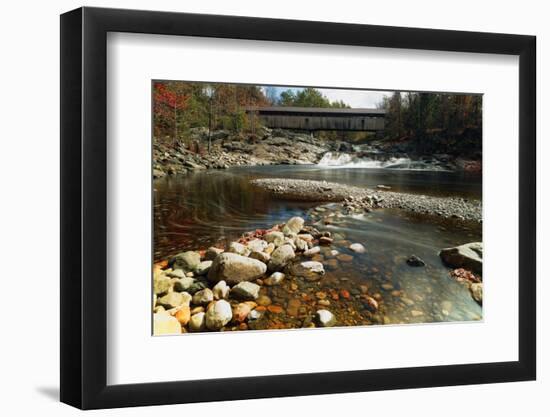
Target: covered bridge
(315,118)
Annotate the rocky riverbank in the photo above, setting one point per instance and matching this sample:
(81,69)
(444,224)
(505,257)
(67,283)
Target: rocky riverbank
(269,147)
(285,147)
(289,276)
(357,199)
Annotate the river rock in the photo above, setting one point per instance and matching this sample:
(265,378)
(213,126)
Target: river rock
(313,251)
(477,291)
(325,318)
(212,252)
(274,237)
(164,323)
(255,315)
(300,244)
(161,284)
(197,323)
(220,290)
(183,315)
(414,260)
(274,279)
(357,247)
(370,304)
(294,225)
(196,286)
(256,245)
(187,261)
(203,268)
(174,300)
(260,256)
(238,248)
(242,310)
(233,268)
(246,290)
(280,257)
(306,236)
(183,284)
(177,273)
(203,297)
(309,270)
(468,256)
(219,313)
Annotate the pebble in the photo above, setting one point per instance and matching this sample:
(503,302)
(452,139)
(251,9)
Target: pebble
(246,290)
(324,240)
(275,309)
(220,290)
(183,315)
(274,279)
(197,322)
(357,247)
(325,318)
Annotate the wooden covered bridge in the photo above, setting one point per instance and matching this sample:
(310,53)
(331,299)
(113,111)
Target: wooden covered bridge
(314,118)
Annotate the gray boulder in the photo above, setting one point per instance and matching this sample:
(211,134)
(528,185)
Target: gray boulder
(309,270)
(187,261)
(468,256)
(212,253)
(203,297)
(233,268)
(203,267)
(280,257)
(246,291)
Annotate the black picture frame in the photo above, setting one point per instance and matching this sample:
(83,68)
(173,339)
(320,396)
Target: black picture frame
(84,207)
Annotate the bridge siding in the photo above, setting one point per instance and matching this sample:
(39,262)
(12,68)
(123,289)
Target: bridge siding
(314,122)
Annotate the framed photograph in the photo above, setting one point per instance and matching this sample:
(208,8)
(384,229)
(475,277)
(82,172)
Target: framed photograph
(259,208)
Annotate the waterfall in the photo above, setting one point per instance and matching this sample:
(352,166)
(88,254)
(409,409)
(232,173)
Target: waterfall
(345,160)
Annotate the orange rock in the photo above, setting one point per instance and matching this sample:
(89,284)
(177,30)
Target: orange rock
(162,264)
(275,309)
(183,315)
(345,294)
(261,309)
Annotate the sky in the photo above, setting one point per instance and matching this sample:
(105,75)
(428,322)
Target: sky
(354,98)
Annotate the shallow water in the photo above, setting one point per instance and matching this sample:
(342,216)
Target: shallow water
(200,209)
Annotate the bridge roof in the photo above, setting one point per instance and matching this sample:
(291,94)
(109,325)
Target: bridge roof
(317,110)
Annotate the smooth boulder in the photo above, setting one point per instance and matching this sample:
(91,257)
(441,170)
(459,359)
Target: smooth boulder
(219,313)
(294,225)
(309,270)
(187,261)
(164,323)
(233,268)
(468,256)
(245,291)
(280,257)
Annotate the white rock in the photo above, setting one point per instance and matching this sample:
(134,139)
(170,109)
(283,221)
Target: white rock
(325,318)
(164,323)
(260,256)
(238,248)
(203,297)
(357,247)
(294,225)
(218,314)
(220,290)
(309,270)
(256,245)
(274,279)
(313,251)
(197,322)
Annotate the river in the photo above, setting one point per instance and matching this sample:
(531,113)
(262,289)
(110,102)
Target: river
(197,210)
